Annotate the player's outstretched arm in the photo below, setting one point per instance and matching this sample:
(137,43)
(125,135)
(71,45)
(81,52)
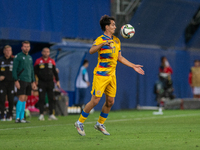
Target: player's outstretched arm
(124,61)
(95,48)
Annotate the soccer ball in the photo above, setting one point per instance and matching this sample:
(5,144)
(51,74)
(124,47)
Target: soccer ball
(127,31)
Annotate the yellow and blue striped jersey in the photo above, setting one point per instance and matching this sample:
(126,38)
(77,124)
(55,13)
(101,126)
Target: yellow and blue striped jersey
(107,55)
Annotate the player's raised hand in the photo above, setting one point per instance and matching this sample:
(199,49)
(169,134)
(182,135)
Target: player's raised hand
(108,43)
(138,69)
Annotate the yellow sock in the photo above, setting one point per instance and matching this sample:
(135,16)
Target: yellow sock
(102,118)
(83,117)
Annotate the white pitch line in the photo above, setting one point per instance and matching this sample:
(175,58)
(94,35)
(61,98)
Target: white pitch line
(157,117)
(34,126)
(118,120)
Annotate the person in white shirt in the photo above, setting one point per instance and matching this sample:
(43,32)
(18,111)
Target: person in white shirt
(82,82)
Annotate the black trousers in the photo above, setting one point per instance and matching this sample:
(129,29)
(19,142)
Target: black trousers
(81,95)
(6,88)
(43,88)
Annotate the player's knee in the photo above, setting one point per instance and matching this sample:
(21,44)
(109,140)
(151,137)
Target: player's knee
(22,98)
(110,102)
(95,100)
(95,103)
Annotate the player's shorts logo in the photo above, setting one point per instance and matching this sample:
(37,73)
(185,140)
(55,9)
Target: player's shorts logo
(98,92)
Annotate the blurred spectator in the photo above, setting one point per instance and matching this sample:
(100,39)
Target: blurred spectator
(163,87)
(165,69)
(194,79)
(6,83)
(82,82)
(23,75)
(45,70)
(165,72)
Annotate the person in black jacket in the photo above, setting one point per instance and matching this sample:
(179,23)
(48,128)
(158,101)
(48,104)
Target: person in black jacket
(6,82)
(45,70)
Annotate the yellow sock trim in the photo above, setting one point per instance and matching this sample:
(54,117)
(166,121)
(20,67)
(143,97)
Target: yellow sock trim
(82,119)
(101,120)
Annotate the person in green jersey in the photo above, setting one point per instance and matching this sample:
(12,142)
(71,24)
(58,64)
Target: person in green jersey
(23,74)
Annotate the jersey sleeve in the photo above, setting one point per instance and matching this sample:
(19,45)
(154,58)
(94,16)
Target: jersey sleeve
(32,73)
(15,65)
(36,67)
(190,78)
(84,71)
(98,41)
(54,71)
(1,73)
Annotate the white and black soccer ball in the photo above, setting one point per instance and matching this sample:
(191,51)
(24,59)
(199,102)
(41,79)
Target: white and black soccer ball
(127,31)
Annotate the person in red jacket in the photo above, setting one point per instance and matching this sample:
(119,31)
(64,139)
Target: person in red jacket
(164,86)
(165,67)
(45,70)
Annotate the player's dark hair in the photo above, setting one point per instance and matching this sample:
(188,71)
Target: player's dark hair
(85,61)
(105,20)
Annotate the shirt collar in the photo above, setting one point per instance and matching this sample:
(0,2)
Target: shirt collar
(6,58)
(24,54)
(108,37)
(45,60)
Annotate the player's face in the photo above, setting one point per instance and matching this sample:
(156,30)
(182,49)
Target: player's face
(26,48)
(7,52)
(111,28)
(45,52)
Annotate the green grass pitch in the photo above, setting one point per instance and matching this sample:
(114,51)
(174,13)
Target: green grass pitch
(132,129)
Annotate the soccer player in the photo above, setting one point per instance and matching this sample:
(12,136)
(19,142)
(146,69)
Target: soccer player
(108,47)
(45,70)
(23,74)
